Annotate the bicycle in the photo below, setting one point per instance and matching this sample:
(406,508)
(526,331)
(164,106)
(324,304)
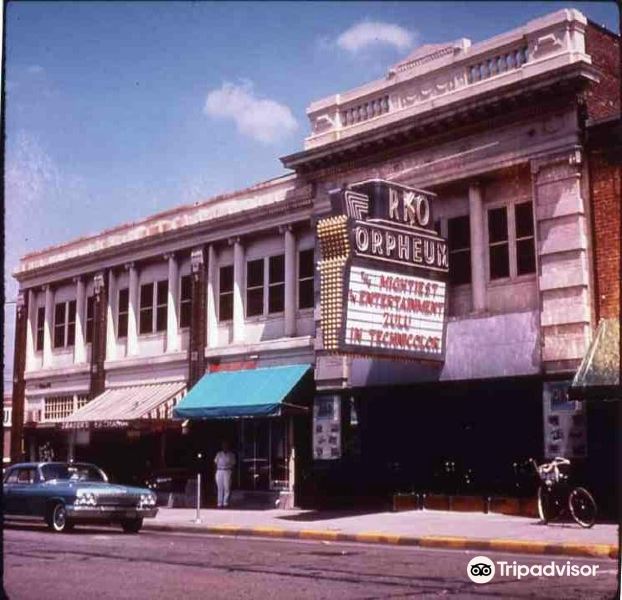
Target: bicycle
(556,494)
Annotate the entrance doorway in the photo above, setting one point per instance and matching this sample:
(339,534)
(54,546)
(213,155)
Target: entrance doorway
(264,453)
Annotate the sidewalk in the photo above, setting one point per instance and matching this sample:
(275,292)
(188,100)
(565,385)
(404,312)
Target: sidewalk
(476,531)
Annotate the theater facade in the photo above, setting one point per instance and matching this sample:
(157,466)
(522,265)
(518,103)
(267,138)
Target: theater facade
(405,311)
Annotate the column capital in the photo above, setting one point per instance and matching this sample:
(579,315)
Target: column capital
(77,278)
(197,260)
(284,228)
(234,240)
(129,265)
(169,255)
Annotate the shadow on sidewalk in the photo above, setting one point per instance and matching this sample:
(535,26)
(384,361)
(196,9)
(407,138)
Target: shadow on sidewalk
(324,515)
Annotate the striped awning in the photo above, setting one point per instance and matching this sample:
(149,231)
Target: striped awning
(117,407)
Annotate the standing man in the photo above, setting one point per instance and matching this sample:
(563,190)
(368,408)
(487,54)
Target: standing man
(225,461)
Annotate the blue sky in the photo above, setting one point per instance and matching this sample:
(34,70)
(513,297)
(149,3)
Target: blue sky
(117,110)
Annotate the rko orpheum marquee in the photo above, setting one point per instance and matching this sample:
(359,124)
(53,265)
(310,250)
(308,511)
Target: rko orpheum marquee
(383,273)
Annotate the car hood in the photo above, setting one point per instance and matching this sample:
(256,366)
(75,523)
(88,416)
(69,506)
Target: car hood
(99,487)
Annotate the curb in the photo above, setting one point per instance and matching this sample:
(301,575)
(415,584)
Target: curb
(377,537)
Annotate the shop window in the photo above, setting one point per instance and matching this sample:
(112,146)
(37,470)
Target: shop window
(498,243)
(40,328)
(185,301)
(276,283)
(123,312)
(65,324)
(254,287)
(459,243)
(306,273)
(525,246)
(225,293)
(153,303)
(90,318)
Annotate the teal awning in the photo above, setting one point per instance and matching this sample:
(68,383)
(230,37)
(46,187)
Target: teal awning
(598,376)
(249,393)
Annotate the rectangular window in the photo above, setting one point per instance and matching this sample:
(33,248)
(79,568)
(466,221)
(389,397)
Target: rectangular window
(276,283)
(40,328)
(254,287)
(498,244)
(65,324)
(90,318)
(71,323)
(59,324)
(185,301)
(306,268)
(225,293)
(123,312)
(146,308)
(459,242)
(525,247)
(161,305)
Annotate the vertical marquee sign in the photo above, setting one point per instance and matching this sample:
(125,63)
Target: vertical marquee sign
(383,273)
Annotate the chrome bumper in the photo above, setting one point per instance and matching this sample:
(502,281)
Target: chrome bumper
(109,513)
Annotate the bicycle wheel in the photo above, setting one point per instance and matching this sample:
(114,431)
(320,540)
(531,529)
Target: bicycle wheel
(582,507)
(549,506)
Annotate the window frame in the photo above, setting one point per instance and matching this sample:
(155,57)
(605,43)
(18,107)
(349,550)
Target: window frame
(462,250)
(183,302)
(227,293)
(272,285)
(261,286)
(153,307)
(40,329)
(300,280)
(123,313)
(510,206)
(65,326)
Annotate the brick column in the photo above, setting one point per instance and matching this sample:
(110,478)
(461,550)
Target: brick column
(478,254)
(196,346)
(290,283)
(98,347)
(212,274)
(19,384)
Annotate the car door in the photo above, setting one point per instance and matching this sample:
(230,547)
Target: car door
(22,491)
(10,481)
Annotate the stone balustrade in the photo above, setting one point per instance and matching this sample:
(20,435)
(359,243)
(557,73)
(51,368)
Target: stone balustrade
(439,74)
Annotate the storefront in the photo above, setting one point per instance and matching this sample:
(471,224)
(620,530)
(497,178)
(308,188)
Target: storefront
(263,414)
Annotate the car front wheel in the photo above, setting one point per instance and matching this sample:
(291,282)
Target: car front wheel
(57,520)
(132,525)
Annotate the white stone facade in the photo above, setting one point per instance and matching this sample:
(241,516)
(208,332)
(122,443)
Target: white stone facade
(521,324)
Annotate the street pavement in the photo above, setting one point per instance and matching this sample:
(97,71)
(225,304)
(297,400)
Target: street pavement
(419,527)
(104,563)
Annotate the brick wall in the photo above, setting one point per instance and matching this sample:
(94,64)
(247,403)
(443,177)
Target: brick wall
(603,98)
(605,193)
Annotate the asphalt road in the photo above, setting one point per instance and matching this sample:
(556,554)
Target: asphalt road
(105,563)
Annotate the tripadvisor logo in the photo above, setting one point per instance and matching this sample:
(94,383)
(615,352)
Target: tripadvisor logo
(480,569)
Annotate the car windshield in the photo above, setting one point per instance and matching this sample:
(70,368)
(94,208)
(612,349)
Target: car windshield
(72,472)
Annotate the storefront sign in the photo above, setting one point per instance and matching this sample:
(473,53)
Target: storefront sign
(383,274)
(565,431)
(327,427)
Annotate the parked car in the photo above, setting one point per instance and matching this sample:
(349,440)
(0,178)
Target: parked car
(64,494)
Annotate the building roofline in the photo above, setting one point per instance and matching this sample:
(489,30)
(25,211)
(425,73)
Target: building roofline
(159,215)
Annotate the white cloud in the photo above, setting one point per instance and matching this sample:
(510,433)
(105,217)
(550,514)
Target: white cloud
(262,119)
(370,33)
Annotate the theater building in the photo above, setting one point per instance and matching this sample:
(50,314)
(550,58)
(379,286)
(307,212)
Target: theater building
(408,307)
